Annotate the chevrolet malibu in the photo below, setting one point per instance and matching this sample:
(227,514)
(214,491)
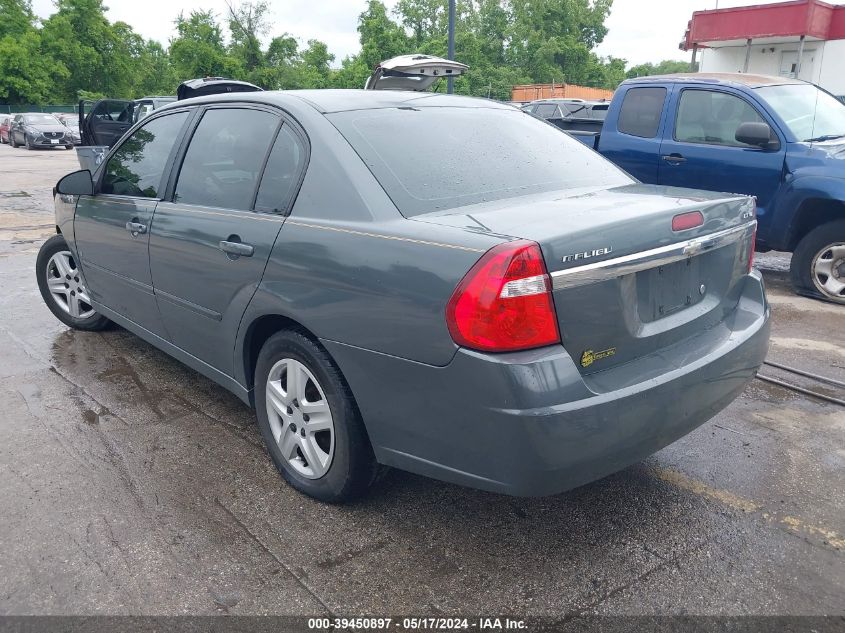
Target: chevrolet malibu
(436,283)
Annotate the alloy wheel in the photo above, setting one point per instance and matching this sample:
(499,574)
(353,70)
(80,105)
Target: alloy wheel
(67,287)
(829,271)
(300,418)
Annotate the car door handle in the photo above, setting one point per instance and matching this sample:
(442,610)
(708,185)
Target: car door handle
(237,248)
(675,159)
(135,227)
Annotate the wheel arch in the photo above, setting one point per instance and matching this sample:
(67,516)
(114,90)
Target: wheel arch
(813,212)
(256,333)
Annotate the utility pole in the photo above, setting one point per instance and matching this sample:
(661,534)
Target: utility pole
(450,81)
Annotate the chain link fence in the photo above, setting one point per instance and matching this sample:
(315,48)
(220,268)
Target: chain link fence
(28,107)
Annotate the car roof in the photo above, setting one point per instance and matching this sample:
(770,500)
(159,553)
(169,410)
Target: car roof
(736,79)
(340,100)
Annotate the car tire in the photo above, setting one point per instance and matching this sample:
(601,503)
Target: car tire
(68,146)
(66,298)
(311,426)
(12,140)
(26,142)
(818,263)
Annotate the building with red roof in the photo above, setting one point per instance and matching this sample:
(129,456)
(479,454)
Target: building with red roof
(801,38)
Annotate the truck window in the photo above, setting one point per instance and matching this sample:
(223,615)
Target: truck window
(707,116)
(641,110)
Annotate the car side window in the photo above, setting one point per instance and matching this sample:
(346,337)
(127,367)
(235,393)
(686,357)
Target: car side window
(281,174)
(136,167)
(224,159)
(641,110)
(711,117)
(546,110)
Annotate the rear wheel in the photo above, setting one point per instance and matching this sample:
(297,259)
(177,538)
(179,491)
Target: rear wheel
(63,287)
(309,420)
(12,140)
(818,263)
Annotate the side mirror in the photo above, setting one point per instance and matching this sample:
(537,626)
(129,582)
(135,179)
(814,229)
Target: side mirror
(78,183)
(757,134)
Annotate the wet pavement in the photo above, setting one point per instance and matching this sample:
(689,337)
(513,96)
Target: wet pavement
(129,484)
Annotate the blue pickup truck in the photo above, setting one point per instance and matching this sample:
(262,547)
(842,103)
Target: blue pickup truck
(778,139)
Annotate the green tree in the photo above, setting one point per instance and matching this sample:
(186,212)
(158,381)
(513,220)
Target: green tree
(198,49)
(247,24)
(25,75)
(667,66)
(95,54)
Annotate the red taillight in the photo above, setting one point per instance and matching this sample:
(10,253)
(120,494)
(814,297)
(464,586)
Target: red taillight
(684,221)
(504,303)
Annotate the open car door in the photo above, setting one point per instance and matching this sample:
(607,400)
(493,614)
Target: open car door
(413,72)
(103,122)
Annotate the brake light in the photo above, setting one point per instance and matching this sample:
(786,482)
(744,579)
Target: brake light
(504,303)
(684,221)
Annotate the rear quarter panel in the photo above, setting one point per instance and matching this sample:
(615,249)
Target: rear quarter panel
(351,269)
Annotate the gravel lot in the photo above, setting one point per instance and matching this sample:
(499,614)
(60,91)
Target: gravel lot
(132,485)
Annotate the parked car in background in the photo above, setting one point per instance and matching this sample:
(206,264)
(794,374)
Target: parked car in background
(384,292)
(103,122)
(71,123)
(778,139)
(570,113)
(36,129)
(145,106)
(5,123)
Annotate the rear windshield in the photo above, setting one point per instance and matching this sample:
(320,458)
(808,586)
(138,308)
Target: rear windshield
(436,158)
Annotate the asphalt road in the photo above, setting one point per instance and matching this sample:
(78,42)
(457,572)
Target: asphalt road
(129,484)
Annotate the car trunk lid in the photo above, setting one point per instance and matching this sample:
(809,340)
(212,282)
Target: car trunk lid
(412,72)
(624,283)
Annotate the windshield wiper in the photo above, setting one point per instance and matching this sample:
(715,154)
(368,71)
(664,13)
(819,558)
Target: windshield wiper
(826,137)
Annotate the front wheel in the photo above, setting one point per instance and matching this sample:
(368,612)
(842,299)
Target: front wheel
(26,142)
(818,263)
(63,288)
(12,140)
(309,420)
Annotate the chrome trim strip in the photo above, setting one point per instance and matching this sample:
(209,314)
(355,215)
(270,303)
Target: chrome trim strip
(636,262)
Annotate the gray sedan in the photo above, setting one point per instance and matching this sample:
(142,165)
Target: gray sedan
(430,282)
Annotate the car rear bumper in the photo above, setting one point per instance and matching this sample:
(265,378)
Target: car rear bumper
(530,424)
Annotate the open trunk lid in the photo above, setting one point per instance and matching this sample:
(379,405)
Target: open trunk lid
(212,86)
(625,284)
(412,72)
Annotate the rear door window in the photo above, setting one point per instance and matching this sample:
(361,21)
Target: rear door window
(224,159)
(281,175)
(136,167)
(641,110)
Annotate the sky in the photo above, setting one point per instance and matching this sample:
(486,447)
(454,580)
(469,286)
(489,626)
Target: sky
(639,30)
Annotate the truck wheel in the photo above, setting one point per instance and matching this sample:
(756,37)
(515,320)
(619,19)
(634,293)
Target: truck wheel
(309,420)
(818,263)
